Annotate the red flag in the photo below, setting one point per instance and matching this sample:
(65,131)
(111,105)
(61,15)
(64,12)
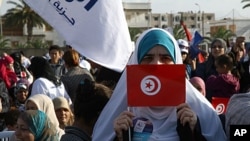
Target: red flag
(156,85)
(220,104)
(201,58)
(188,34)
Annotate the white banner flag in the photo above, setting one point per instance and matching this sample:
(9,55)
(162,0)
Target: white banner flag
(95,28)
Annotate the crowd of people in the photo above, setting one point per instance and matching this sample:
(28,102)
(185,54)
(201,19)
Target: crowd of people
(46,98)
(67,97)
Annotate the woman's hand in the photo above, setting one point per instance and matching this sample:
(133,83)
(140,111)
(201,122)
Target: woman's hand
(186,115)
(122,123)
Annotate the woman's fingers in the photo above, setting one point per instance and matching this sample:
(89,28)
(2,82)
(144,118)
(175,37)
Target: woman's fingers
(123,122)
(186,115)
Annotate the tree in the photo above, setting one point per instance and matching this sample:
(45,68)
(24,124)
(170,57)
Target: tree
(22,15)
(3,42)
(134,32)
(37,44)
(223,33)
(179,32)
(247,5)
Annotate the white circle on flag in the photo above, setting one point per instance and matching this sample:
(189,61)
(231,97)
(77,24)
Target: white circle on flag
(150,85)
(220,108)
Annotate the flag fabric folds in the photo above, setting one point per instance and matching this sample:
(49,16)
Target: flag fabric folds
(155,85)
(188,34)
(95,28)
(194,41)
(194,50)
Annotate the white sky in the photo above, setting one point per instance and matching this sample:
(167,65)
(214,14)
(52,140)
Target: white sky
(221,8)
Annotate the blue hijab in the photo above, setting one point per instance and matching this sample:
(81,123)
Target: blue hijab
(153,38)
(38,123)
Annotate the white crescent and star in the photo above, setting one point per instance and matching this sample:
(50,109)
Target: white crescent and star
(220,108)
(150,85)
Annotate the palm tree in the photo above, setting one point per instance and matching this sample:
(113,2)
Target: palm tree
(22,15)
(179,32)
(223,33)
(247,5)
(3,42)
(37,44)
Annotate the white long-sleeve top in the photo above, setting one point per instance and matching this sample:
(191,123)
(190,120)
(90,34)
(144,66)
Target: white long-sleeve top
(44,86)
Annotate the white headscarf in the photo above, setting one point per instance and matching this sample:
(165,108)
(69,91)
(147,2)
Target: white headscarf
(45,104)
(165,121)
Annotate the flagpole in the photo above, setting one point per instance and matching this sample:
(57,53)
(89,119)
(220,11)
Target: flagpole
(129,131)
(149,13)
(1,24)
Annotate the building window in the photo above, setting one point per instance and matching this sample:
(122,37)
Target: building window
(199,19)
(156,18)
(164,26)
(192,17)
(146,18)
(128,16)
(192,26)
(163,18)
(156,25)
(209,17)
(177,18)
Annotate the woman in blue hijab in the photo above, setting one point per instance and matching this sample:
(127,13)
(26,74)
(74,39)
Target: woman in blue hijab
(193,120)
(34,125)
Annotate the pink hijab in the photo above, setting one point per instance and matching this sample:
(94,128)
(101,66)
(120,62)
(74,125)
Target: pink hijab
(198,82)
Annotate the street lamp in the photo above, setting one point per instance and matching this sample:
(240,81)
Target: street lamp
(149,13)
(1,24)
(199,16)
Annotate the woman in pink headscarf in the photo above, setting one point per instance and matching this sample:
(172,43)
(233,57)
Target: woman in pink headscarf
(199,84)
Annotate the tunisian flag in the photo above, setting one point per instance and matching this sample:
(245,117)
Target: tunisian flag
(220,104)
(156,85)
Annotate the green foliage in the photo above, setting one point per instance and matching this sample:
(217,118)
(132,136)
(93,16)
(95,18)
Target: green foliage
(21,45)
(179,32)
(22,15)
(246,5)
(134,32)
(37,44)
(207,39)
(223,33)
(32,44)
(4,42)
